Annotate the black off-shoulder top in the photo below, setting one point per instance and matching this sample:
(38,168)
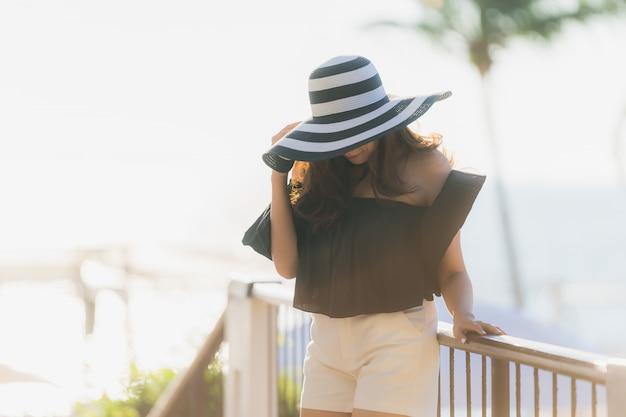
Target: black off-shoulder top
(378,258)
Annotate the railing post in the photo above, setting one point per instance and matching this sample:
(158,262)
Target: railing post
(252,380)
(197,394)
(500,393)
(616,388)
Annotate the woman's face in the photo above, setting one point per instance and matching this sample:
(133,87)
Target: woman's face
(361,154)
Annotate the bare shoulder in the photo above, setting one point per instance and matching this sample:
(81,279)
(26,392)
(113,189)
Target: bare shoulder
(427,171)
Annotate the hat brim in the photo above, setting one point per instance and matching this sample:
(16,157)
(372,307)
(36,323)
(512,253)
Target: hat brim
(313,140)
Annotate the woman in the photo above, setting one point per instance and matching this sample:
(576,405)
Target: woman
(369,225)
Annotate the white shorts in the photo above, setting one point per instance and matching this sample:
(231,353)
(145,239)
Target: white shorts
(385,362)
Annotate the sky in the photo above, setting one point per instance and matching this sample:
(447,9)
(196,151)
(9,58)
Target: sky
(143,121)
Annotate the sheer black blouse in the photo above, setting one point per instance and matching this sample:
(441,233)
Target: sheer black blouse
(377,258)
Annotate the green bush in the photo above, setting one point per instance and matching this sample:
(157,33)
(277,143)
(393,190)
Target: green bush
(143,390)
(105,407)
(288,394)
(214,377)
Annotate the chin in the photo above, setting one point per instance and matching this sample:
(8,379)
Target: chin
(356,161)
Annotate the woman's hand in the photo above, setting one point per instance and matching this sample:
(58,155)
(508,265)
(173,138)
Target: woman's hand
(467,324)
(281,164)
(283,132)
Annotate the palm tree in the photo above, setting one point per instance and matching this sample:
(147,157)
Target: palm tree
(480,28)
(618,148)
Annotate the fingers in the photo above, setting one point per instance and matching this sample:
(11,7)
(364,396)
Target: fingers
(492,329)
(283,132)
(281,164)
(462,330)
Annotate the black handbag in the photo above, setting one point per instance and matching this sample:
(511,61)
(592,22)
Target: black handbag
(258,234)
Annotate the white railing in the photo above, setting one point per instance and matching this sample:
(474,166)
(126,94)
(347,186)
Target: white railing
(491,376)
(498,376)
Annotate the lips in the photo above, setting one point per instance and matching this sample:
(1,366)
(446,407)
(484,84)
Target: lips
(352,155)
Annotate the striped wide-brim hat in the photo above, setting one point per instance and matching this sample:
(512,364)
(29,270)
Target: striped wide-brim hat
(349,108)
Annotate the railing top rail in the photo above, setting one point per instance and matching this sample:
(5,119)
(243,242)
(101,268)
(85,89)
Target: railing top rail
(273,293)
(571,362)
(269,289)
(565,361)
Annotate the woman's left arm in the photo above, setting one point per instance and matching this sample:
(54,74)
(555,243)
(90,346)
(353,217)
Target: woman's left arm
(458,294)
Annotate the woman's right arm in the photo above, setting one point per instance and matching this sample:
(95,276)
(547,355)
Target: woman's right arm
(283,232)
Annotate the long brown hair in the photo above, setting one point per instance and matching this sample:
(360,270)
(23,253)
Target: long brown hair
(321,190)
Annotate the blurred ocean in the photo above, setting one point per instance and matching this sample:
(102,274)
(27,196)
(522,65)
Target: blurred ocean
(571,247)
(570,243)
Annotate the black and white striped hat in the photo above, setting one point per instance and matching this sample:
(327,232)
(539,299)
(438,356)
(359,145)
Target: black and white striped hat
(349,108)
